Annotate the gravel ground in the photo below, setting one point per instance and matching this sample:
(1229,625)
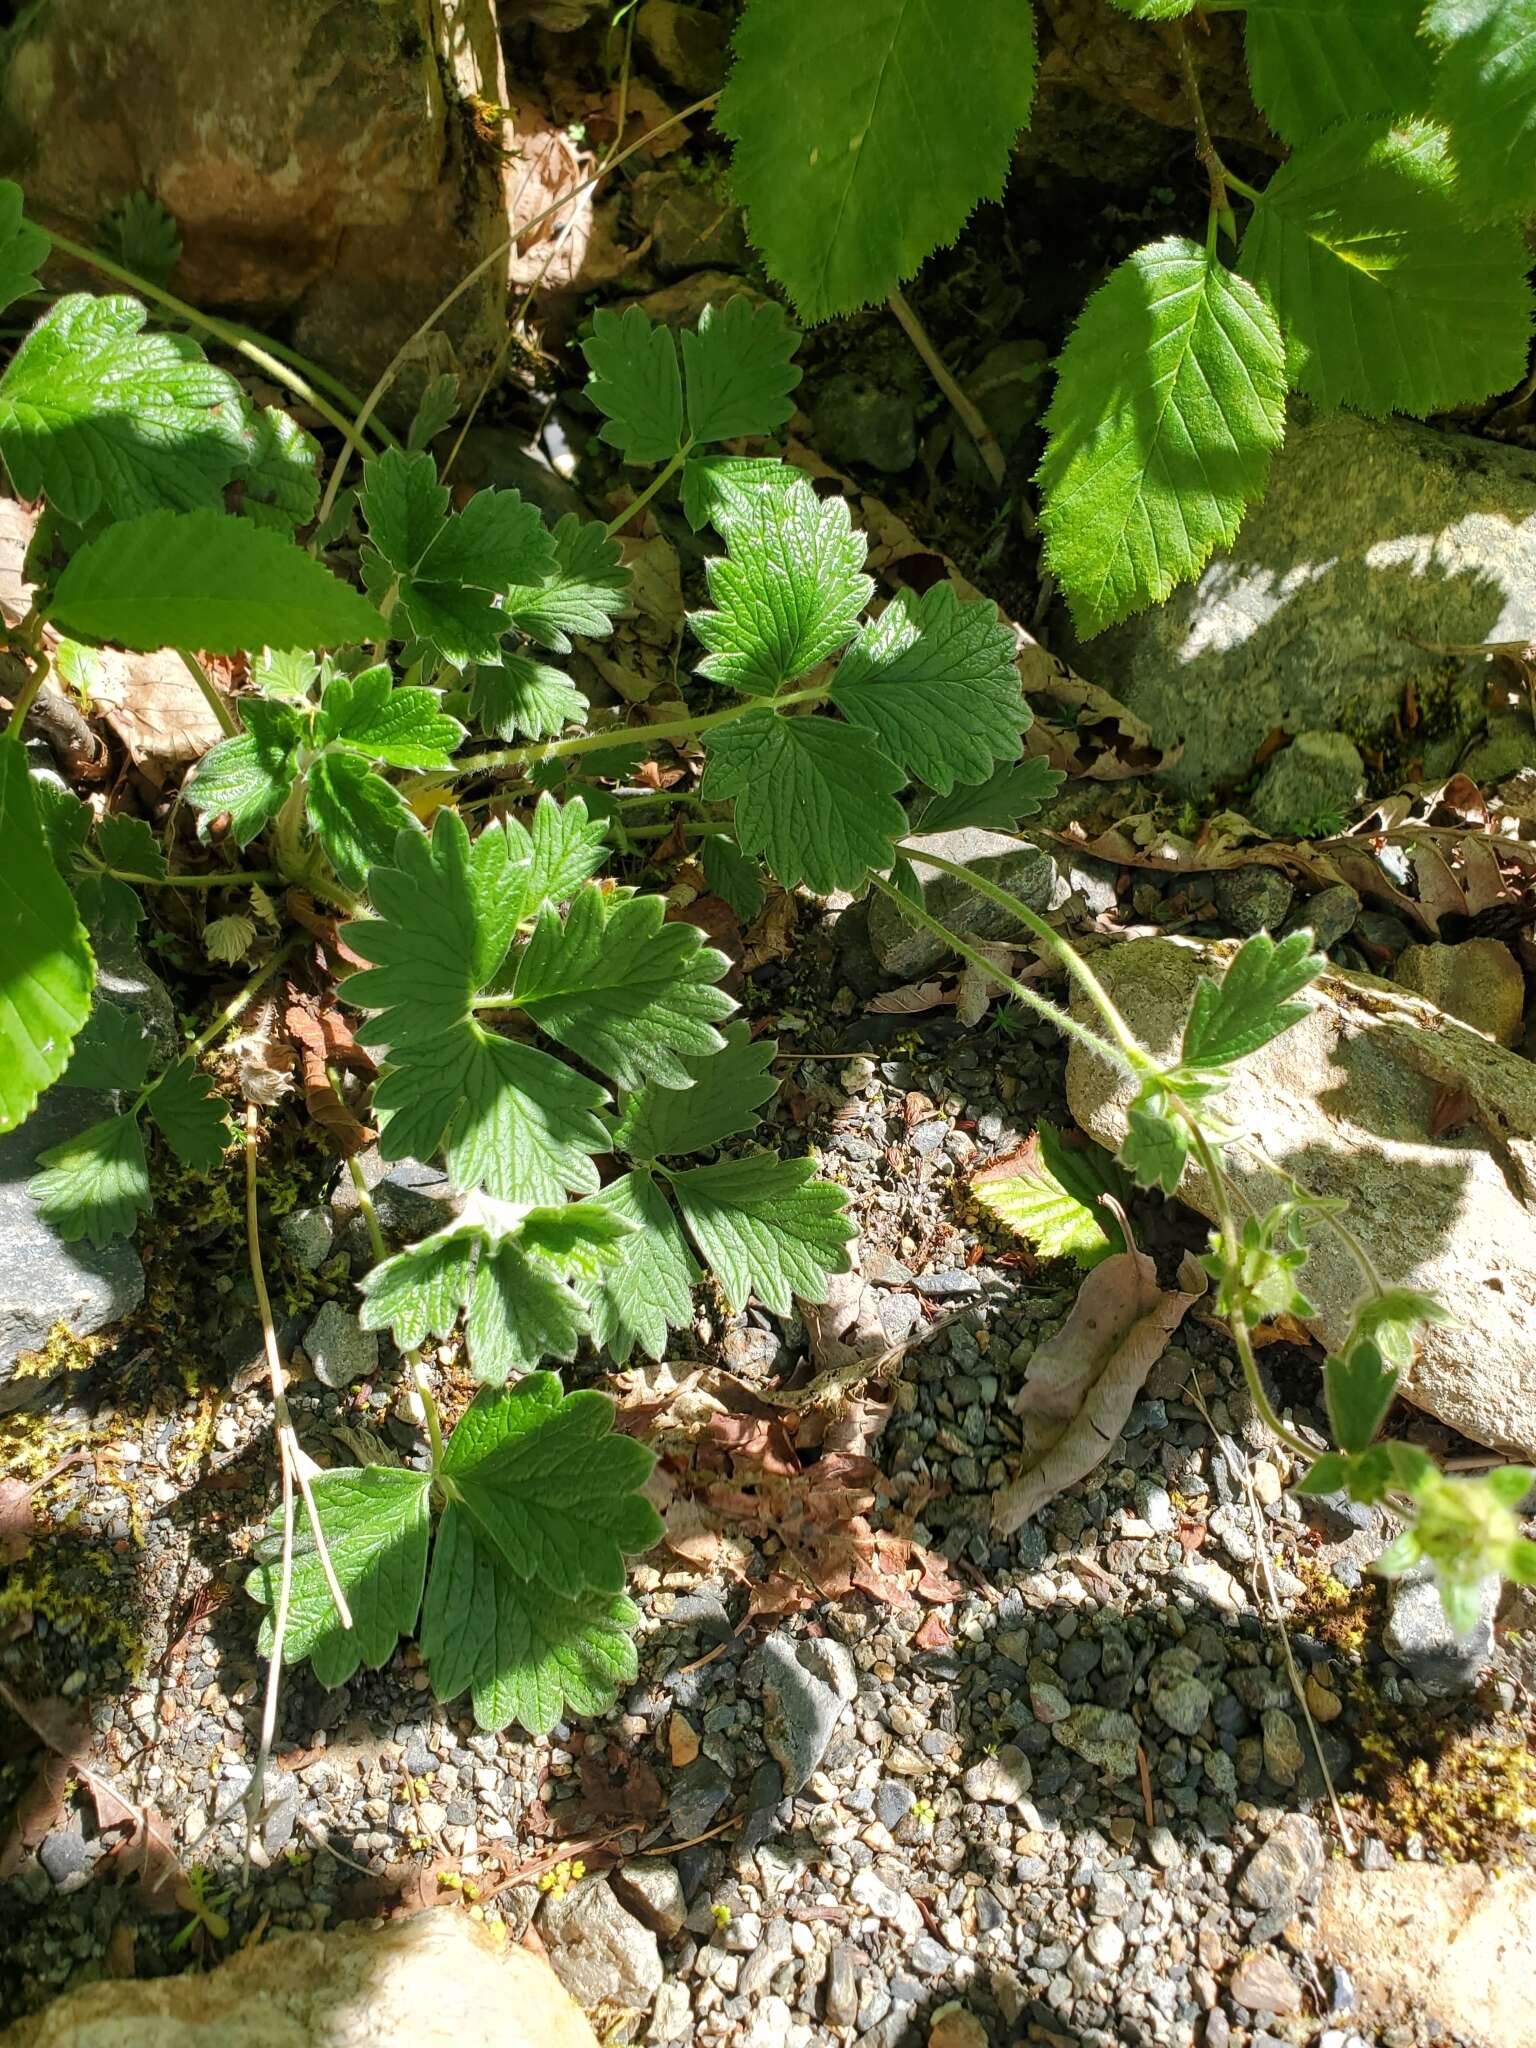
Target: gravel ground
(1077,1801)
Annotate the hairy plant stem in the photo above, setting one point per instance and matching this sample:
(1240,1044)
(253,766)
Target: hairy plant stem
(233,878)
(30,635)
(965,409)
(229,725)
(624,736)
(472,277)
(1205,148)
(662,476)
(1063,1022)
(239,338)
(231,1014)
(380,1250)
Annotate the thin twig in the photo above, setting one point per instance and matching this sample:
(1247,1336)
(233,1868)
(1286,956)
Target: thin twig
(292,1467)
(1205,148)
(966,410)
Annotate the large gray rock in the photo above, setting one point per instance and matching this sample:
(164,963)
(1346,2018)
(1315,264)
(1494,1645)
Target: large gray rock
(905,948)
(1346,1101)
(44,1281)
(313,153)
(428,1979)
(1375,544)
(600,1953)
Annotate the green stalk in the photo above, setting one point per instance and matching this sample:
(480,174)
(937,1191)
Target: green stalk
(380,1252)
(1060,1019)
(662,476)
(589,743)
(229,725)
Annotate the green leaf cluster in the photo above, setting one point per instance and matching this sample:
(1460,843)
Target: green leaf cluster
(523,1603)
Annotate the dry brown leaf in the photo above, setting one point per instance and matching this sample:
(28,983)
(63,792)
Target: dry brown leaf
(1083,1382)
(322,1039)
(18,1525)
(769,935)
(846,1327)
(910,1001)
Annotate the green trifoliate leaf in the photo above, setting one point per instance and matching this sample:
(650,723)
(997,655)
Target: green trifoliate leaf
(204,580)
(1389,297)
(376,1523)
(95,1185)
(407,728)
(1169,401)
(1048,1194)
(718,489)
(520,1313)
(934,680)
(580,594)
(552,1487)
(1465,1530)
(111,1052)
(814,799)
(649,1290)
(190,1116)
(130,848)
(356,815)
(767,1227)
(1485,92)
(631,994)
(250,776)
(998,804)
(46,967)
(404,505)
(521,1652)
(94,413)
(516,1122)
(525,698)
(728,1092)
(278,470)
(143,237)
(1314,62)
(1156,1142)
(23,247)
(740,370)
(418,1293)
(562,847)
(1359,1387)
(1389,1319)
(636,383)
(1251,1004)
(866,131)
(788,594)
(729,873)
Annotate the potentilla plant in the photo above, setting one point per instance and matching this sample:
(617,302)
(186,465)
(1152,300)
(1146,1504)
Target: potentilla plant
(542,1028)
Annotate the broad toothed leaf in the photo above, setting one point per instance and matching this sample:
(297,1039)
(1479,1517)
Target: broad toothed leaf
(728,1092)
(376,1523)
(729,873)
(278,470)
(111,1052)
(766,1227)
(1390,298)
(356,815)
(718,489)
(250,776)
(581,1238)
(496,543)
(635,382)
(1314,62)
(998,804)
(1049,1194)
(580,594)
(462,626)
(204,580)
(130,848)
(1359,1387)
(552,1487)
(94,412)
(788,593)
(562,847)
(142,235)
(650,1289)
(522,1653)
(525,698)
(46,967)
(95,1185)
(520,1313)
(630,993)
(867,130)
(190,1116)
(407,728)
(934,680)
(418,1293)
(1485,92)
(1156,1142)
(1169,401)
(23,247)
(1252,1003)
(405,506)
(814,799)
(740,370)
